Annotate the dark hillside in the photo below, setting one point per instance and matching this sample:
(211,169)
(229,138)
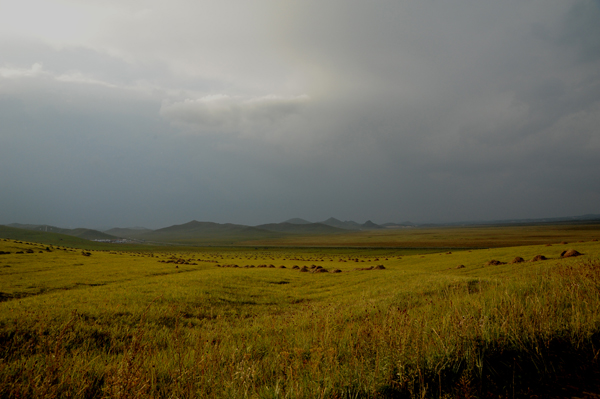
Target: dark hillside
(368,225)
(297,221)
(127,232)
(90,234)
(311,228)
(202,233)
(87,234)
(56,239)
(347,225)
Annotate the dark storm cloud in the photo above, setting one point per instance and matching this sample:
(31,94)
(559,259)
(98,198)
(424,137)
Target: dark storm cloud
(477,104)
(427,111)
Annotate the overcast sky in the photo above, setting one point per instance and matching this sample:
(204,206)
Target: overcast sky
(153,113)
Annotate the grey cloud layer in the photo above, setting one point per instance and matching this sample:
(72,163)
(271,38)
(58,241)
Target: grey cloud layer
(231,113)
(385,110)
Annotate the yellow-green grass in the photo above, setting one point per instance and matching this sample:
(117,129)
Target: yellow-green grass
(127,324)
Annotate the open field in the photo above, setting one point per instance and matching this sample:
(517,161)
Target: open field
(186,322)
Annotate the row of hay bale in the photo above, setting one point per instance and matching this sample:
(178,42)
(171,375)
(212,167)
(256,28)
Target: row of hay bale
(564,254)
(26,251)
(252,266)
(303,269)
(179,261)
(314,269)
(565,243)
(378,267)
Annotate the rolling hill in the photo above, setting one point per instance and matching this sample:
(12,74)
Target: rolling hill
(88,234)
(307,228)
(297,221)
(48,238)
(351,225)
(195,232)
(127,232)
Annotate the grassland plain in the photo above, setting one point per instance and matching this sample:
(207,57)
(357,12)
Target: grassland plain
(186,322)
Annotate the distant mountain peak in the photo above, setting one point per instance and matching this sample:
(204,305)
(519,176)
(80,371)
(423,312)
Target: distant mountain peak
(297,221)
(348,225)
(370,225)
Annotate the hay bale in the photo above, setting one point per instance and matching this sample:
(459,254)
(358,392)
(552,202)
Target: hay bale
(494,262)
(304,269)
(538,258)
(336,271)
(518,259)
(320,270)
(296,267)
(282,267)
(460,266)
(569,253)
(379,267)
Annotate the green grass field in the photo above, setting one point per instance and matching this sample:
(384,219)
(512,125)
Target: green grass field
(240,322)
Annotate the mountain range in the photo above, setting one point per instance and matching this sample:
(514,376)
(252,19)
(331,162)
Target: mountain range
(196,232)
(88,234)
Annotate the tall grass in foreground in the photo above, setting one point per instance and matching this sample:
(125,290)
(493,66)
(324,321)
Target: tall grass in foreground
(467,338)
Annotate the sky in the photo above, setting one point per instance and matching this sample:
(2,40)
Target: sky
(153,113)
